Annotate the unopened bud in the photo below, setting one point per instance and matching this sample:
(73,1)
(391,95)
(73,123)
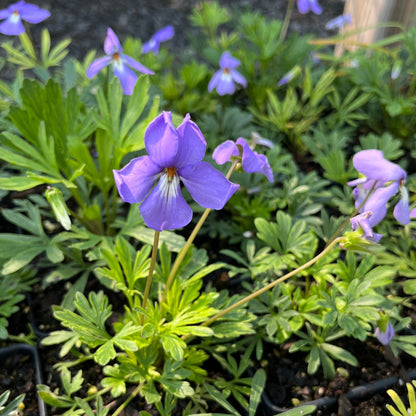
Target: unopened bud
(60,210)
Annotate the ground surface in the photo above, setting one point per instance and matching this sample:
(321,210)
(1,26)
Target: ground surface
(86,21)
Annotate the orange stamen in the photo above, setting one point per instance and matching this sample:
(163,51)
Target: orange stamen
(116,56)
(171,172)
(226,70)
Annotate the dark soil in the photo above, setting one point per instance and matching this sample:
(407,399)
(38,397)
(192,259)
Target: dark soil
(288,381)
(20,374)
(86,22)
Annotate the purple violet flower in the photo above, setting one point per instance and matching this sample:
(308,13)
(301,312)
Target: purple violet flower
(224,80)
(305,6)
(296,70)
(17,12)
(396,70)
(385,336)
(161,35)
(339,22)
(362,221)
(121,63)
(250,160)
(385,179)
(174,155)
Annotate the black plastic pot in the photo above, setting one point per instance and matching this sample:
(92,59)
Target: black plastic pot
(328,403)
(31,351)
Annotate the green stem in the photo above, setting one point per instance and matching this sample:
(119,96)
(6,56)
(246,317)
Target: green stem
(151,269)
(274,283)
(286,22)
(129,399)
(190,240)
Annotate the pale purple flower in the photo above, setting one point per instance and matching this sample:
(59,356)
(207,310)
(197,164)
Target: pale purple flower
(224,80)
(251,161)
(290,75)
(174,155)
(121,64)
(17,12)
(384,179)
(305,6)
(257,139)
(339,22)
(385,336)
(161,35)
(396,70)
(361,221)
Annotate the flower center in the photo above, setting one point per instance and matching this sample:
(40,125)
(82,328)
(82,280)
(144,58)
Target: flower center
(171,172)
(227,70)
(116,56)
(15,16)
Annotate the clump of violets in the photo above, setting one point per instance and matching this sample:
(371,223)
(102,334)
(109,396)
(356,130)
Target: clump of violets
(174,155)
(384,331)
(339,22)
(306,6)
(251,161)
(120,62)
(224,80)
(17,12)
(161,35)
(380,180)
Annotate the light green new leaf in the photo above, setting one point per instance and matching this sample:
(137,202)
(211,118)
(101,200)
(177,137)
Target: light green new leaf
(299,411)
(257,386)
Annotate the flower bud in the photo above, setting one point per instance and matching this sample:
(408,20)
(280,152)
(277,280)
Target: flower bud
(56,201)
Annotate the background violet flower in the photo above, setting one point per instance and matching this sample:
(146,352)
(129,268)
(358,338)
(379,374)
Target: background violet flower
(174,155)
(339,22)
(224,80)
(290,75)
(383,178)
(17,12)
(161,35)
(385,336)
(362,221)
(121,63)
(305,6)
(250,160)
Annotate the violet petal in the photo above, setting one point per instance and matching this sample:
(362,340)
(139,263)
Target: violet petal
(112,44)
(33,14)
(228,61)
(191,144)
(161,140)
(238,78)
(164,34)
(207,186)
(136,65)
(136,179)
(165,208)
(97,66)
(250,161)
(224,151)
(126,76)
(371,163)
(12,26)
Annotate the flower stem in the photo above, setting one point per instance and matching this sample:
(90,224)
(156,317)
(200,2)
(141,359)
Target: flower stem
(130,398)
(189,242)
(151,269)
(286,22)
(274,283)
